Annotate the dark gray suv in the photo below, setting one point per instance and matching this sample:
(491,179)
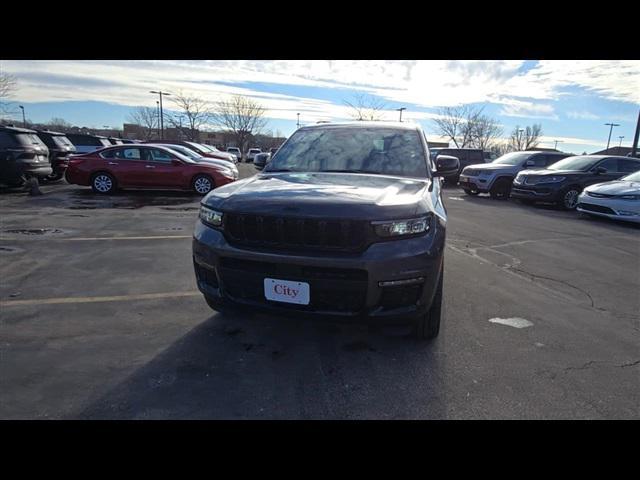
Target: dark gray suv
(346,221)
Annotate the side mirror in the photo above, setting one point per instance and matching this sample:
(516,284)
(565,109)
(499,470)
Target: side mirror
(446,166)
(599,170)
(175,162)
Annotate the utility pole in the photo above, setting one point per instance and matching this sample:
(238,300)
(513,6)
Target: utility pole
(158,106)
(24,122)
(611,130)
(620,137)
(634,148)
(298,124)
(166,94)
(520,131)
(400,110)
(555,147)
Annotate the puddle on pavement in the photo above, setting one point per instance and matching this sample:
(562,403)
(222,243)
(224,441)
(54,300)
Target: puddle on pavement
(35,231)
(7,250)
(84,200)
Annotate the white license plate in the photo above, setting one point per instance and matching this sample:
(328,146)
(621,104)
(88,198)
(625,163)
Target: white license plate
(286,291)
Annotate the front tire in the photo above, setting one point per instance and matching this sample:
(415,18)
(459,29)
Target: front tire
(428,326)
(569,198)
(202,184)
(501,189)
(103,183)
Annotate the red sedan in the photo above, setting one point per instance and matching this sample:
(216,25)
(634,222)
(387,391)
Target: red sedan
(141,166)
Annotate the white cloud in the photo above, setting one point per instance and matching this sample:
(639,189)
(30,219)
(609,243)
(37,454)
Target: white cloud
(582,115)
(519,108)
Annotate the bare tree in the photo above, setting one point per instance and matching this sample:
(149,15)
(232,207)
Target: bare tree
(7,87)
(194,110)
(365,107)
(458,124)
(525,138)
(242,116)
(59,125)
(147,119)
(485,131)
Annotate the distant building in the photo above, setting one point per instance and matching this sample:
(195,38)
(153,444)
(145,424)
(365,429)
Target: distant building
(618,151)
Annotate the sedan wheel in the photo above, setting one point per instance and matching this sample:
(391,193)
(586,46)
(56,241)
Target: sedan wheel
(570,199)
(202,184)
(103,183)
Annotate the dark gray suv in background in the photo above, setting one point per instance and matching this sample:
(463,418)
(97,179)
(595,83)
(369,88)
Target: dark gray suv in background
(346,221)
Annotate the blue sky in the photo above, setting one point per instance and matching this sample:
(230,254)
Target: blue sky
(571,99)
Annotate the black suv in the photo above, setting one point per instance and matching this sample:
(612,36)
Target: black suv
(466,157)
(346,220)
(22,155)
(563,181)
(60,147)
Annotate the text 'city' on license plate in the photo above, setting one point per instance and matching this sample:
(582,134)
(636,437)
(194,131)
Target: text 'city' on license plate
(286,291)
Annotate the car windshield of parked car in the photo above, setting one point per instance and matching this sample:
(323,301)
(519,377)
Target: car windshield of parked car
(634,177)
(578,163)
(378,150)
(513,158)
(185,154)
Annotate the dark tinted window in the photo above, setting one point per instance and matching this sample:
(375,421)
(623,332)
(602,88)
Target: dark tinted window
(628,166)
(367,149)
(551,159)
(87,140)
(539,161)
(47,140)
(6,140)
(610,164)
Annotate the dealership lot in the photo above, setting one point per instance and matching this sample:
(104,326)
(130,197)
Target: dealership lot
(101,318)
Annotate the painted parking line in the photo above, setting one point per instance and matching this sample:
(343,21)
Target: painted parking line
(82,239)
(114,298)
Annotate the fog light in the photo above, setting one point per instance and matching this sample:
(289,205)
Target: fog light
(399,283)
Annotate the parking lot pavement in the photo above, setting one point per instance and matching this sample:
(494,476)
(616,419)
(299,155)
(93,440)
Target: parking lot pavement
(101,319)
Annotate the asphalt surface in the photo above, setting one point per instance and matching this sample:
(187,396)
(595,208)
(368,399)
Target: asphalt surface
(101,318)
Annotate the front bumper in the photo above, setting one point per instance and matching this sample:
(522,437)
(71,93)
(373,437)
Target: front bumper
(541,193)
(342,286)
(476,184)
(627,210)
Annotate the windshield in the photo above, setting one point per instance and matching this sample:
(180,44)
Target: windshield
(577,163)
(190,154)
(513,158)
(375,150)
(634,177)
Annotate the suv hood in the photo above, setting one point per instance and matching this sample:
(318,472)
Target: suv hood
(324,195)
(491,166)
(547,172)
(617,187)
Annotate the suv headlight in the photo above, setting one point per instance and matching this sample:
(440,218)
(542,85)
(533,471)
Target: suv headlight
(398,228)
(210,216)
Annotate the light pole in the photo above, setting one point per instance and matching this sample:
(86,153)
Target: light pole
(520,131)
(158,105)
(298,124)
(24,122)
(161,93)
(400,110)
(555,147)
(634,147)
(611,130)
(620,137)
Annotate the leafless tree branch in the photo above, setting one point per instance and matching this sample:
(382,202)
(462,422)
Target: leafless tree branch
(365,107)
(242,116)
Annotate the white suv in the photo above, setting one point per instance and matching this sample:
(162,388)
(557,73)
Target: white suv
(496,177)
(235,151)
(252,153)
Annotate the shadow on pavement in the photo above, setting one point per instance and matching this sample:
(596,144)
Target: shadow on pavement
(280,368)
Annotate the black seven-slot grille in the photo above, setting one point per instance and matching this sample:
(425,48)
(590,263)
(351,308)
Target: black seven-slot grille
(331,289)
(291,232)
(596,208)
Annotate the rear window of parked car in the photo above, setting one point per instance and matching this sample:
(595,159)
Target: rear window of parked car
(29,139)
